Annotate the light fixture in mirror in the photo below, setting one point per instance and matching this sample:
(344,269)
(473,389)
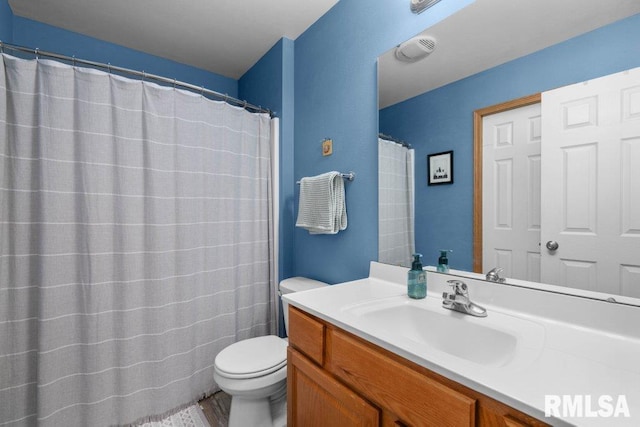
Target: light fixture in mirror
(476,65)
(415,49)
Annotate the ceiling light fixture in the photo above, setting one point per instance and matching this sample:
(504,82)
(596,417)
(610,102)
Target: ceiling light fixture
(418,6)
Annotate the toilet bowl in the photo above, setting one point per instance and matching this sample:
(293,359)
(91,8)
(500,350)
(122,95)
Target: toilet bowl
(254,371)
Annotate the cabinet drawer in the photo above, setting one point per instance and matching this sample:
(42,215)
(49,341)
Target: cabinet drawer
(504,416)
(492,413)
(412,397)
(306,334)
(509,421)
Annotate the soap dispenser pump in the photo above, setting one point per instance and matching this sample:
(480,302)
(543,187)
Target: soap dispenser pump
(417,279)
(443,261)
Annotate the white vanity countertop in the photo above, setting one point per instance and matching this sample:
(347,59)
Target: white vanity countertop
(587,356)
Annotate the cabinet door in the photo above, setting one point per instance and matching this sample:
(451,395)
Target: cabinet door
(317,399)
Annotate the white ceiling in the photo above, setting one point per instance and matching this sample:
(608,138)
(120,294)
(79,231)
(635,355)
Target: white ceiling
(226,37)
(488,33)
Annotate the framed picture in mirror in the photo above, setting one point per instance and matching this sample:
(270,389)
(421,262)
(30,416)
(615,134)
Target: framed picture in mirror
(440,168)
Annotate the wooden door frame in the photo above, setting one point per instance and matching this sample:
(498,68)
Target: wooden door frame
(478,116)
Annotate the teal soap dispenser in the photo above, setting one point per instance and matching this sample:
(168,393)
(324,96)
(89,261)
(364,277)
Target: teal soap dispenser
(443,261)
(417,279)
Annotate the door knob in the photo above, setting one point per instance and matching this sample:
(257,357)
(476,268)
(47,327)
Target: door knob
(552,245)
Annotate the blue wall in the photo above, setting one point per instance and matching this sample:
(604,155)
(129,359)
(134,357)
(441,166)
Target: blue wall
(441,120)
(336,97)
(6,22)
(270,83)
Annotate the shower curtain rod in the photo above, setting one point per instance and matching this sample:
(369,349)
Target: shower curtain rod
(145,76)
(392,139)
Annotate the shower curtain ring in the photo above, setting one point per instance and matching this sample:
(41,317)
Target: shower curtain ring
(37,52)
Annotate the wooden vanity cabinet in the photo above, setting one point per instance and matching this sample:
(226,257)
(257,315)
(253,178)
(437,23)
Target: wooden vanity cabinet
(337,379)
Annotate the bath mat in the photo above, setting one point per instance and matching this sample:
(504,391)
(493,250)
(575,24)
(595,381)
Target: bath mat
(188,417)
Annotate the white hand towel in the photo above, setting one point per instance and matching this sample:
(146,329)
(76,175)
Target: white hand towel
(322,208)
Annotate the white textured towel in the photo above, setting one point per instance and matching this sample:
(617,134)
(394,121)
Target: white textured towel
(322,208)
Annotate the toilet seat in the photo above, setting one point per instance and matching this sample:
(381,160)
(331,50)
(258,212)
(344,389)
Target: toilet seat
(239,359)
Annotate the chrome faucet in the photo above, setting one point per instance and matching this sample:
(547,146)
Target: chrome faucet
(494,275)
(458,300)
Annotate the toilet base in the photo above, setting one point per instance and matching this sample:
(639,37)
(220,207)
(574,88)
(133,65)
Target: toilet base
(279,409)
(261,412)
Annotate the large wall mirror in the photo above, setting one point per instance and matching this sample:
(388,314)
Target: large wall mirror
(486,56)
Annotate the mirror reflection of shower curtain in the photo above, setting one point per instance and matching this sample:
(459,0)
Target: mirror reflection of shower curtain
(134,243)
(396,188)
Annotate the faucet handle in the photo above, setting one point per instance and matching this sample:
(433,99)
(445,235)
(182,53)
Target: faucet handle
(494,275)
(458,286)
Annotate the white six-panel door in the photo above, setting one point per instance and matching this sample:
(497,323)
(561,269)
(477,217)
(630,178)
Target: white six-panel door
(511,192)
(591,185)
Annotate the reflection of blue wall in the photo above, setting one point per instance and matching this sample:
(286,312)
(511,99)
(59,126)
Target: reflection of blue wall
(336,97)
(441,120)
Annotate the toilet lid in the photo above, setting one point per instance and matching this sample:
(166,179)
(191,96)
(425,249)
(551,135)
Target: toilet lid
(253,357)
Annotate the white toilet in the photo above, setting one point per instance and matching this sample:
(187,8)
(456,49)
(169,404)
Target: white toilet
(254,371)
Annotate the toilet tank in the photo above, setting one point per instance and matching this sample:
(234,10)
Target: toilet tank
(296,284)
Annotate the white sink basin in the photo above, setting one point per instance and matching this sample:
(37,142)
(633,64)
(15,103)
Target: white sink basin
(493,341)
